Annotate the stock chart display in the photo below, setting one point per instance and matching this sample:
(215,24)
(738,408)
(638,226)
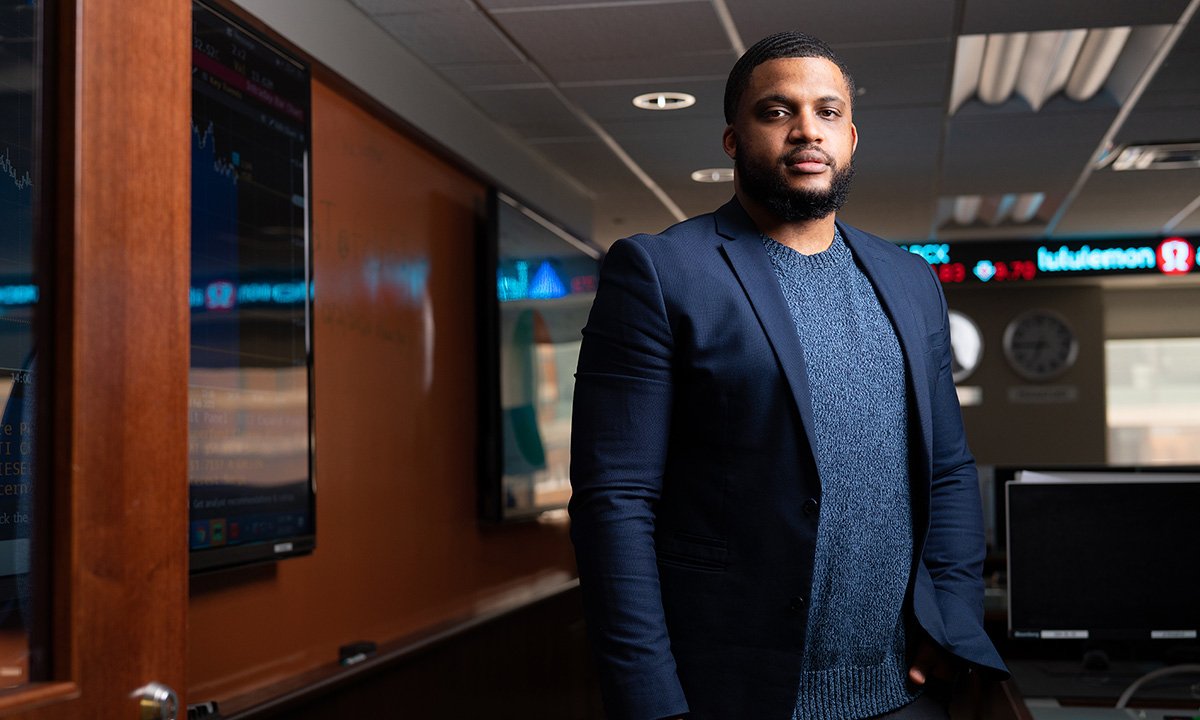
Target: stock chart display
(249,439)
(20,291)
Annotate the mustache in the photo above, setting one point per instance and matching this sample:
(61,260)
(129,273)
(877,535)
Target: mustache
(806,153)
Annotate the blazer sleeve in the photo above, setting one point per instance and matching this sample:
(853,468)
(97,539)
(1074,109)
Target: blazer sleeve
(954,547)
(619,439)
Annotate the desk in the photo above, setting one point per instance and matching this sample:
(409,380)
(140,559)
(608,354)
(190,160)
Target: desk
(1069,682)
(1063,690)
(1050,712)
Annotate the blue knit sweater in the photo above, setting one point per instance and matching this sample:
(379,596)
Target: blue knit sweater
(854,658)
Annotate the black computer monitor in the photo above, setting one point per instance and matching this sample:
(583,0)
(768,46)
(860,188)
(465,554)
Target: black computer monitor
(996,478)
(250,438)
(537,283)
(1104,560)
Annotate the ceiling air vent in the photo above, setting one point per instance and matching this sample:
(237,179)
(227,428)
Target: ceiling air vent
(1173,156)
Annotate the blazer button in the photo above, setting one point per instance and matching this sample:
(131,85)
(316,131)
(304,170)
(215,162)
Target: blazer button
(796,605)
(810,507)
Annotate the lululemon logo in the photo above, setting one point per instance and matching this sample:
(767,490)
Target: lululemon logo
(220,295)
(1175,256)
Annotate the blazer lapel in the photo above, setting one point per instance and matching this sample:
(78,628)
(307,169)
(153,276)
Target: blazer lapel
(895,295)
(744,251)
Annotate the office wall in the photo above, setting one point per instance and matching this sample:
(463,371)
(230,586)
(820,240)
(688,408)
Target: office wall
(399,549)
(1169,309)
(1009,426)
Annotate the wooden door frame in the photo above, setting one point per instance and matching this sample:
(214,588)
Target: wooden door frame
(118,486)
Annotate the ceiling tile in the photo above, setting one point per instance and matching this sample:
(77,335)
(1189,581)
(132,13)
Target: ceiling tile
(590,162)
(1129,202)
(471,76)
(714,64)
(1020,152)
(1190,225)
(449,36)
(909,74)
(1177,82)
(531,112)
(898,146)
(382,7)
(517,6)
(988,16)
(606,32)
(846,21)
(670,151)
(622,215)
(1161,125)
(696,128)
(615,102)
(698,198)
(902,216)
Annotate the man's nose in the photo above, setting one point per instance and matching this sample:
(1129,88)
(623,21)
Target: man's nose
(805,129)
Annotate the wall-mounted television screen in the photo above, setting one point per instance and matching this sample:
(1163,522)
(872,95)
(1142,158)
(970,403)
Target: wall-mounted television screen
(250,449)
(537,289)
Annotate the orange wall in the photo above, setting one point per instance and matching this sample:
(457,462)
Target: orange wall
(398,545)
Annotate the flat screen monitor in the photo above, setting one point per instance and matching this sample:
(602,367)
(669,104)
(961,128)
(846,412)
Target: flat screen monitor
(249,401)
(538,282)
(996,478)
(1095,560)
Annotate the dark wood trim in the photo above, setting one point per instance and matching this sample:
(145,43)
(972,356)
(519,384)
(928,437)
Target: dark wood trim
(120,485)
(116,193)
(56,484)
(39,695)
(297,691)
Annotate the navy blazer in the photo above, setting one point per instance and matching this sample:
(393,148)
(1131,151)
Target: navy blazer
(694,481)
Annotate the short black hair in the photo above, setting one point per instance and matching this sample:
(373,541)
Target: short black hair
(789,44)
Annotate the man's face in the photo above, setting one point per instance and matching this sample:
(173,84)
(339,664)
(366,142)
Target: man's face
(793,138)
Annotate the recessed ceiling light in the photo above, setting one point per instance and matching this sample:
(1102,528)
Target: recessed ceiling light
(713,175)
(664,101)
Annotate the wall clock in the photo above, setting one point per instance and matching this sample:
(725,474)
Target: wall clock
(1039,345)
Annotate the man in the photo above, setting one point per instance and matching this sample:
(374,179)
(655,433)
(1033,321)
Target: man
(775,512)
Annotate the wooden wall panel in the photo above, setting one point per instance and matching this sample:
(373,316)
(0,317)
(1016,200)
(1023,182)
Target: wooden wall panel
(399,548)
(533,663)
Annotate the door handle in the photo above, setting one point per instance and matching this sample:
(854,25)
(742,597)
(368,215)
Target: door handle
(156,702)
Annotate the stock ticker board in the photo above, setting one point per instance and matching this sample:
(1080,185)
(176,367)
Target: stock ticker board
(1022,261)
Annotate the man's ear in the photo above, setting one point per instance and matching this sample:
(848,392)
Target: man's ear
(729,141)
(853,138)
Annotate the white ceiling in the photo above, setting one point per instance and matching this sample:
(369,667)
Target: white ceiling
(560,74)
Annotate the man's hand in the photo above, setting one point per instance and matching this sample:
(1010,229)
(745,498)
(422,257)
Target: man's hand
(932,663)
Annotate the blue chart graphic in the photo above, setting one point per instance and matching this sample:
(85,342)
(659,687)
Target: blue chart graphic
(214,191)
(16,205)
(20,180)
(214,238)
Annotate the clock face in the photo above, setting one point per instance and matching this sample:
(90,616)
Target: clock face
(1040,345)
(966,346)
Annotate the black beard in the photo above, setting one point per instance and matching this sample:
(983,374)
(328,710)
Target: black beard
(767,185)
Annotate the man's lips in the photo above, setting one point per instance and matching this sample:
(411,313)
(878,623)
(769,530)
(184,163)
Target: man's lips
(809,161)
